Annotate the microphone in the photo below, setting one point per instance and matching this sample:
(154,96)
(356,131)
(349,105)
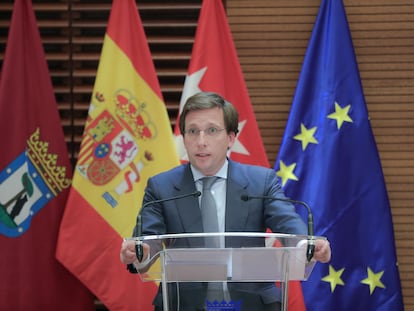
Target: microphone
(178,197)
(311,242)
(138,246)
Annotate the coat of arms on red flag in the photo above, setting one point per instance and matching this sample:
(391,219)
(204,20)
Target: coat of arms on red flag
(27,184)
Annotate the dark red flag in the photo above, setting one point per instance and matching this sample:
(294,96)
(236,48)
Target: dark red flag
(35,174)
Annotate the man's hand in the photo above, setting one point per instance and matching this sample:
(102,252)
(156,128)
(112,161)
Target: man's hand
(128,254)
(322,251)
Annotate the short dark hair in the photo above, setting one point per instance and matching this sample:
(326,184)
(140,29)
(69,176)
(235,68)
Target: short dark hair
(207,100)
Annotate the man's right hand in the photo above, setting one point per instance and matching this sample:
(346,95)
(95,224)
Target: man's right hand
(128,254)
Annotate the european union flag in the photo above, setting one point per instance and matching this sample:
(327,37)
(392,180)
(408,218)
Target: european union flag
(329,159)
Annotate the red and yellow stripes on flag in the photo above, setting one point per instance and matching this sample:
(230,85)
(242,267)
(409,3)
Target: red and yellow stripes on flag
(127,139)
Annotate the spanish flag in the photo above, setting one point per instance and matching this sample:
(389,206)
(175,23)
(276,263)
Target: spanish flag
(127,138)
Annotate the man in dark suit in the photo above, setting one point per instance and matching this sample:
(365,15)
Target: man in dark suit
(209,125)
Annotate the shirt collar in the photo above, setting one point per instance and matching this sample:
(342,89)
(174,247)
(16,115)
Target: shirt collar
(222,172)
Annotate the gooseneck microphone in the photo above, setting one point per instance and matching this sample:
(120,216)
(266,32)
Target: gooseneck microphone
(138,246)
(311,241)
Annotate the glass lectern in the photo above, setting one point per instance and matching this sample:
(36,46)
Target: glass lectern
(252,257)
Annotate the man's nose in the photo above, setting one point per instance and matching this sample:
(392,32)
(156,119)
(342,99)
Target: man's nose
(202,137)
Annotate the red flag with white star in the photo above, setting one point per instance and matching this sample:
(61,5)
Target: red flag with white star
(214,67)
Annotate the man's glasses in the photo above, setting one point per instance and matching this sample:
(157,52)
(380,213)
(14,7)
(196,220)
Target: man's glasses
(211,131)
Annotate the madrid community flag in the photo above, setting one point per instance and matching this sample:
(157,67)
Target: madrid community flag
(35,176)
(329,159)
(127,139)
(214,67)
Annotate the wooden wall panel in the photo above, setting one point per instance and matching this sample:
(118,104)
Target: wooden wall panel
(271,39)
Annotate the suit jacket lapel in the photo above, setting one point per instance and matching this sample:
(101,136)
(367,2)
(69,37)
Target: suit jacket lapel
(236,209)
(188,208)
